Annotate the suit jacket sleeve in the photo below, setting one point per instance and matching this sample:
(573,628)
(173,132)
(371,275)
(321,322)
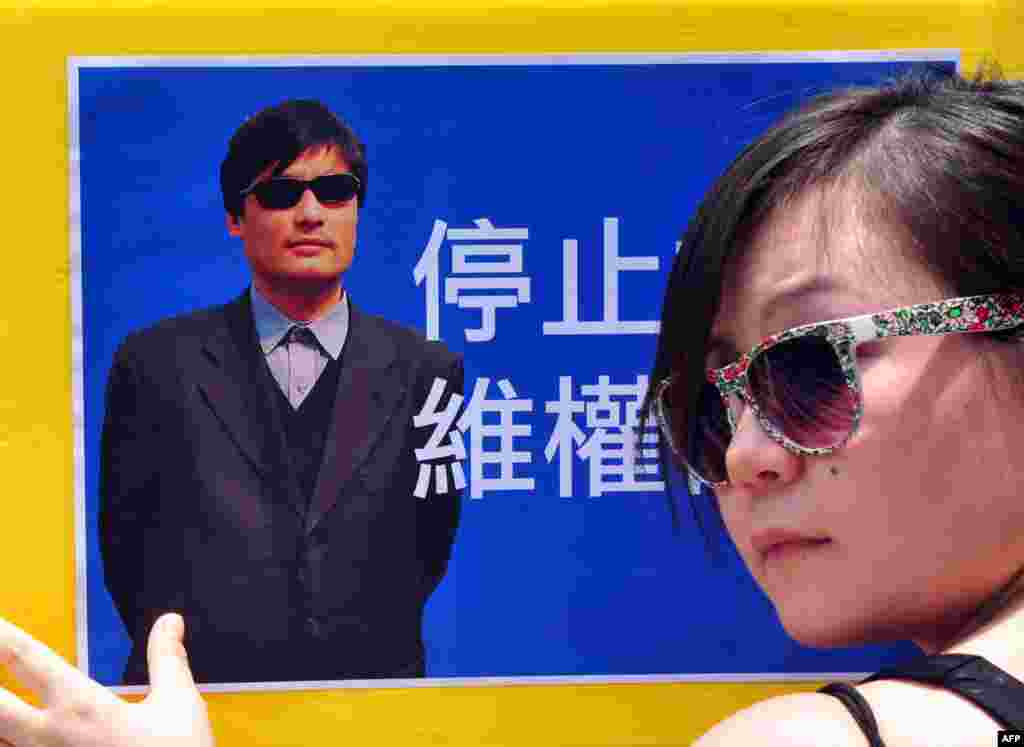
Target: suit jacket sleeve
(439,512)
(128,486)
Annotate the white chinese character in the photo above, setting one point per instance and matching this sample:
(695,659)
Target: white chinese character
(566,435)
(428,267)
(610,324)
(616,464)
(506,457)
(474,292)
(454,450)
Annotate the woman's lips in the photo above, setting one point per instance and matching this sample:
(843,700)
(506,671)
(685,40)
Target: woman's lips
(795,549)
(777,544)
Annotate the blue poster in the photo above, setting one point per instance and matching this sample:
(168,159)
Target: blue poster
(525,211)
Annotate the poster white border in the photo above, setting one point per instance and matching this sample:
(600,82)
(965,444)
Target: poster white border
(76,63)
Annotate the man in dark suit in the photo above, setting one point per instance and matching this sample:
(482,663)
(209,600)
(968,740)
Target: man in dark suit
(258,468)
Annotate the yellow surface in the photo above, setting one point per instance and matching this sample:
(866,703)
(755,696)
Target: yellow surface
(35,423)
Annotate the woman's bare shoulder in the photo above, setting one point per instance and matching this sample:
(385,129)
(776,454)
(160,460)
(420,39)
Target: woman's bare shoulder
(797,720)
(908,715)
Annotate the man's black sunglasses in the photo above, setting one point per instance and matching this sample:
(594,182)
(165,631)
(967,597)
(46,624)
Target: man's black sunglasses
(285,192)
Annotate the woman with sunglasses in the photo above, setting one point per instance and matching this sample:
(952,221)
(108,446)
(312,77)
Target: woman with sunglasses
(840,376)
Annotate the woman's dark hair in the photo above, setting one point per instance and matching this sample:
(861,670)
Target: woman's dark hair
(938,158)
(280,134)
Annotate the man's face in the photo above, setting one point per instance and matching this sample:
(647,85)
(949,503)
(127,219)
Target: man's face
(304,248)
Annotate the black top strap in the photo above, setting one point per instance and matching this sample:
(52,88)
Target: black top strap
(858,708)
(996,692)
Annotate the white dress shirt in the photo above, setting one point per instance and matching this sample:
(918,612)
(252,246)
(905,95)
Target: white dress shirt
(298,352)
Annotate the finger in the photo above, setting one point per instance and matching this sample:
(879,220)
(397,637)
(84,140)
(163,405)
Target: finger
(19,722)
(37,667)
(169,671)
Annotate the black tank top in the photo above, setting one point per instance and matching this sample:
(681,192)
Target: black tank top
(996,692)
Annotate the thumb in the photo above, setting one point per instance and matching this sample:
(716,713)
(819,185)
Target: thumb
(169,673)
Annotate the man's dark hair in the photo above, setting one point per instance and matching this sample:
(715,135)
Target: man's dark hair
(280,134)
(937,158)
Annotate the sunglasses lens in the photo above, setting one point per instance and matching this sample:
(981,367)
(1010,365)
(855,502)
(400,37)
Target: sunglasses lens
(801,389)
(706,446)
(335,188)
(702,443)
(278,194)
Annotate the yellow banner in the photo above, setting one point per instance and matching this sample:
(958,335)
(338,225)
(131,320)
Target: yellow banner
(36,434)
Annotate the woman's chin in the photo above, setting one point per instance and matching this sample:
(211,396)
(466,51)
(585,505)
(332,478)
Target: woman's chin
(822,631)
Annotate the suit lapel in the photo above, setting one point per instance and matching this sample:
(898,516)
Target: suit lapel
(238,389)
(368,391)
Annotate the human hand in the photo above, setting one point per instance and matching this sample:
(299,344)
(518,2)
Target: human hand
(78,712)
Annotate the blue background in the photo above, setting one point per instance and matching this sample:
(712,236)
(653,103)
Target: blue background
(539,584)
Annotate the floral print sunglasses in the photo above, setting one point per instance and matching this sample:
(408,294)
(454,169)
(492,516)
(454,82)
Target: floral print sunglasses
(803,384)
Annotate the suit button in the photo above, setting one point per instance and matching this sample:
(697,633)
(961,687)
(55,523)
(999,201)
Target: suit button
(315,627)
(304,577)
